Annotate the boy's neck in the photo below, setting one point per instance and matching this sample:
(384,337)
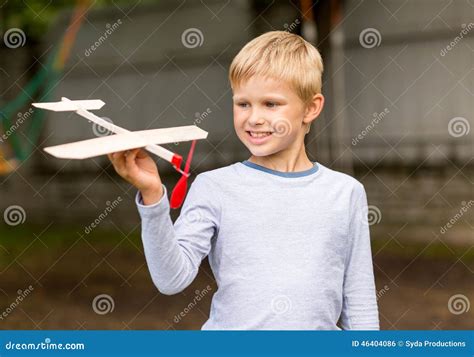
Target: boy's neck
(288,162)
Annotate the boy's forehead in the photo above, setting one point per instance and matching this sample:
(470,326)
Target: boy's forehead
(261,86)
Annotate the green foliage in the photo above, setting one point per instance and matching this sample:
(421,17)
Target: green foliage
(34,17)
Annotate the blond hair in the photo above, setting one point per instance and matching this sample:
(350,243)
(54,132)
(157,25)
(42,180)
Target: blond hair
(280,55)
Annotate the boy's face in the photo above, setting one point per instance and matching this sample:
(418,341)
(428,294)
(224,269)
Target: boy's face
(269,116)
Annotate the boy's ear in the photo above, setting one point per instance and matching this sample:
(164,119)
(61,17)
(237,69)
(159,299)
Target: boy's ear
(313,108)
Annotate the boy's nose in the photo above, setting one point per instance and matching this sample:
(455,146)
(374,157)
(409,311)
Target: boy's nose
(256,118)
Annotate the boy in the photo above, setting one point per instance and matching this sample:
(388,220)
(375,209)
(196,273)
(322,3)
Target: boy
(287,238)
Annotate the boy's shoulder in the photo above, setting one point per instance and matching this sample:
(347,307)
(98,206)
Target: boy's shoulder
(218,174)
(215,178)
(340,178)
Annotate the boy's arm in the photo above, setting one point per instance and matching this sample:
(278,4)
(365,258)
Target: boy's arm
(174,252)
(359,310)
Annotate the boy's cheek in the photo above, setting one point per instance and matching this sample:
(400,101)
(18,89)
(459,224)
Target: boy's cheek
(238,118)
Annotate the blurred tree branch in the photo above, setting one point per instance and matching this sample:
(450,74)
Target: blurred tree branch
(35,17)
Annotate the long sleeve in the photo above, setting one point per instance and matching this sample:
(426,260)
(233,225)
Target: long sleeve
(174,252)
(359,310)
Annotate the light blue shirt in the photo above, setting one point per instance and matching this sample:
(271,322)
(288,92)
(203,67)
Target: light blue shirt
(288,251)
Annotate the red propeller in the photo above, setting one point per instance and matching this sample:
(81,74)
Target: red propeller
(179,191)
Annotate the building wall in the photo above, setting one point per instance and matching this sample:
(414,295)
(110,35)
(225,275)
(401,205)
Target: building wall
(414,171)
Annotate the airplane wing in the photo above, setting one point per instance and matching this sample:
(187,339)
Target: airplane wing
(71,105)
(119,142)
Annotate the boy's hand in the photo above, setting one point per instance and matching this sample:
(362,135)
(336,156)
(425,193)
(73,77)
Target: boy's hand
(138,168)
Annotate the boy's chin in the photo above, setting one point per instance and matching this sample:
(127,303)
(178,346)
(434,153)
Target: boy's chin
(261,151)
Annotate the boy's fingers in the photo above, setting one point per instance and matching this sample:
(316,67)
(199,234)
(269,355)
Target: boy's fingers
(141,154)
(114,155)
(118,160)
(130,157)
(124,161)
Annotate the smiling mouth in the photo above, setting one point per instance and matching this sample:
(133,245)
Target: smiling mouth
(259,134)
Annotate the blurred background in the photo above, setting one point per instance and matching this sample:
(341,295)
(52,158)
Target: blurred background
(399,87)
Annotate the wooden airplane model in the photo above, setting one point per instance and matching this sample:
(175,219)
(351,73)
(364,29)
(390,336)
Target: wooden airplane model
(123,139)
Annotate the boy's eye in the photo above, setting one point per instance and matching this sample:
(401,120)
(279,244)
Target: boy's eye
(243,105)
(271,104)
